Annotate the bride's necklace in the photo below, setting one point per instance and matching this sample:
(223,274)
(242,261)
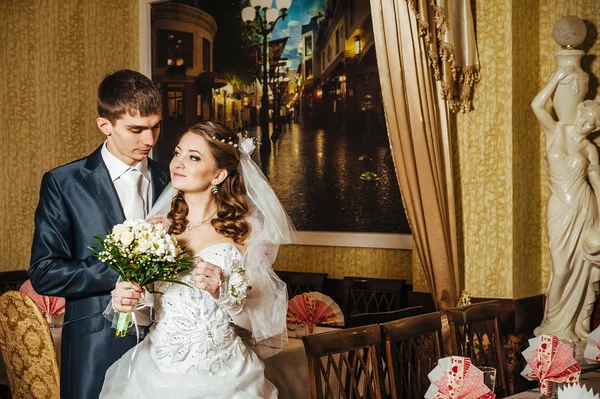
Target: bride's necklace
(191,227)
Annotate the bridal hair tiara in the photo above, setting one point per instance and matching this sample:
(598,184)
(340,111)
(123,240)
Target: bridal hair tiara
(242,139)
(228,141)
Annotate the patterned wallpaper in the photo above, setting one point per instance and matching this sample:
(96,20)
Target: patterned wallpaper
(54,54)
(338,262)
(526,218)
(485,170)
(59,51)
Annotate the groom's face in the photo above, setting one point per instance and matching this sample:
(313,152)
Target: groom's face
(130,138)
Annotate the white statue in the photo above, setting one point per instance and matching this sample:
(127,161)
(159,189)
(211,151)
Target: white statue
(573,166)
(574,178)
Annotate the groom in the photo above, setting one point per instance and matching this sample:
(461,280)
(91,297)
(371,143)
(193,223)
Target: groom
(86,197)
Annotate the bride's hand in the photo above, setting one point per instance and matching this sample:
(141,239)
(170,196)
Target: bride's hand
(126,296)
(208,277)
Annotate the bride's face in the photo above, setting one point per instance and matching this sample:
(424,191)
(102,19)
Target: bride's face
(193,167)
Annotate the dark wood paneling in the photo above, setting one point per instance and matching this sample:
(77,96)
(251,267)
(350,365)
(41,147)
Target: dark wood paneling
(420,299)
(518,316)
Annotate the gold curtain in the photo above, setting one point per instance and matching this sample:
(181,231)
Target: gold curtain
(418,127)
(448,30)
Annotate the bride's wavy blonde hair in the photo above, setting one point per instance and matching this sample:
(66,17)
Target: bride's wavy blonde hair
(232,206)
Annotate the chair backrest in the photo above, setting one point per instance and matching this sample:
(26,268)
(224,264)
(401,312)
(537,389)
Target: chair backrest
(475,333)
(12,280)
(301,282)
(345,363)
(364,319)
(413,347)
(371,295)
(27,348)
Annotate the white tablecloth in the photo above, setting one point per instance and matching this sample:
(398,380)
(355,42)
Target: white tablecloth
(288,370)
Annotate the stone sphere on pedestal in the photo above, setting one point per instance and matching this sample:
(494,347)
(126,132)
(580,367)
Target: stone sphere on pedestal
(569,31)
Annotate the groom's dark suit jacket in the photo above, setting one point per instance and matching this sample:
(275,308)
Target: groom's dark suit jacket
(77,201)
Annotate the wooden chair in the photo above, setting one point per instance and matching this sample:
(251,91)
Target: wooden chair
(364,319)
(301,282)
(371,295)
(345,363)
(27,348)
(475,333)
(413,347)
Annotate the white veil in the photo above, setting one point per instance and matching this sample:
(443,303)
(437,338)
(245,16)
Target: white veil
(270,227)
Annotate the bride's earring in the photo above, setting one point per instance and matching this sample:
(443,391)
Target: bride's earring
(214,188)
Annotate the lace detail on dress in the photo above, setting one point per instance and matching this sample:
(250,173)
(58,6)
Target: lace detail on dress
(193,334)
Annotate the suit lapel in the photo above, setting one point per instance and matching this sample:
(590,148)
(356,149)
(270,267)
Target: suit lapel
(101,185)
(159,178)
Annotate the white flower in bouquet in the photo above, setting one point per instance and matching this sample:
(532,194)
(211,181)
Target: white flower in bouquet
(127,238)
(118,231)
(143,245)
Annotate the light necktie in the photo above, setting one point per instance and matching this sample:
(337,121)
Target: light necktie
(134,203)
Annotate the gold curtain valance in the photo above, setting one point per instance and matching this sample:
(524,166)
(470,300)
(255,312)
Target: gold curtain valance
(448,30)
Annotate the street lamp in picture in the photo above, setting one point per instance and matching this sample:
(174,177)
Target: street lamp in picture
(267,17)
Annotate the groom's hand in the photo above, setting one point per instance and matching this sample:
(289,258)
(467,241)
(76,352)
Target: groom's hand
(208,277)
(126,296)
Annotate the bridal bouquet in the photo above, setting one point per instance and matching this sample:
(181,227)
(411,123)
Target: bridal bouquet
(141,252)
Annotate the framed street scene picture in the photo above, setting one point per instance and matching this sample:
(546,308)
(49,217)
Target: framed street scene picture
(303,80)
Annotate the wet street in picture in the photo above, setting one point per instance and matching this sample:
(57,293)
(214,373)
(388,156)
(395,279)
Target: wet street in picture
(316,173)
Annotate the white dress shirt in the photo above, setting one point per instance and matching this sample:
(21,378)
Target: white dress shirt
(116,168)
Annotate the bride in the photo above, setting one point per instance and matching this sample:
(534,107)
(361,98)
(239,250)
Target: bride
(223,210)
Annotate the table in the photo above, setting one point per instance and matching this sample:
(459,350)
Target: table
(288,370)
(590,380)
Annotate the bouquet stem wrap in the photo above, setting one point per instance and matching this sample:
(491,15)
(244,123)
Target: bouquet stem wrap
(123,323)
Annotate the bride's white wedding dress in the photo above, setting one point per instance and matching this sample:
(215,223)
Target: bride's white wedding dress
(192,350)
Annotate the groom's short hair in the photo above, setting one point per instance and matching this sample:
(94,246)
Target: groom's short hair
(127,92)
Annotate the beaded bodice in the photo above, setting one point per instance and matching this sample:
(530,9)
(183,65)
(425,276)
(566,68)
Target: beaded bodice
(192,333)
